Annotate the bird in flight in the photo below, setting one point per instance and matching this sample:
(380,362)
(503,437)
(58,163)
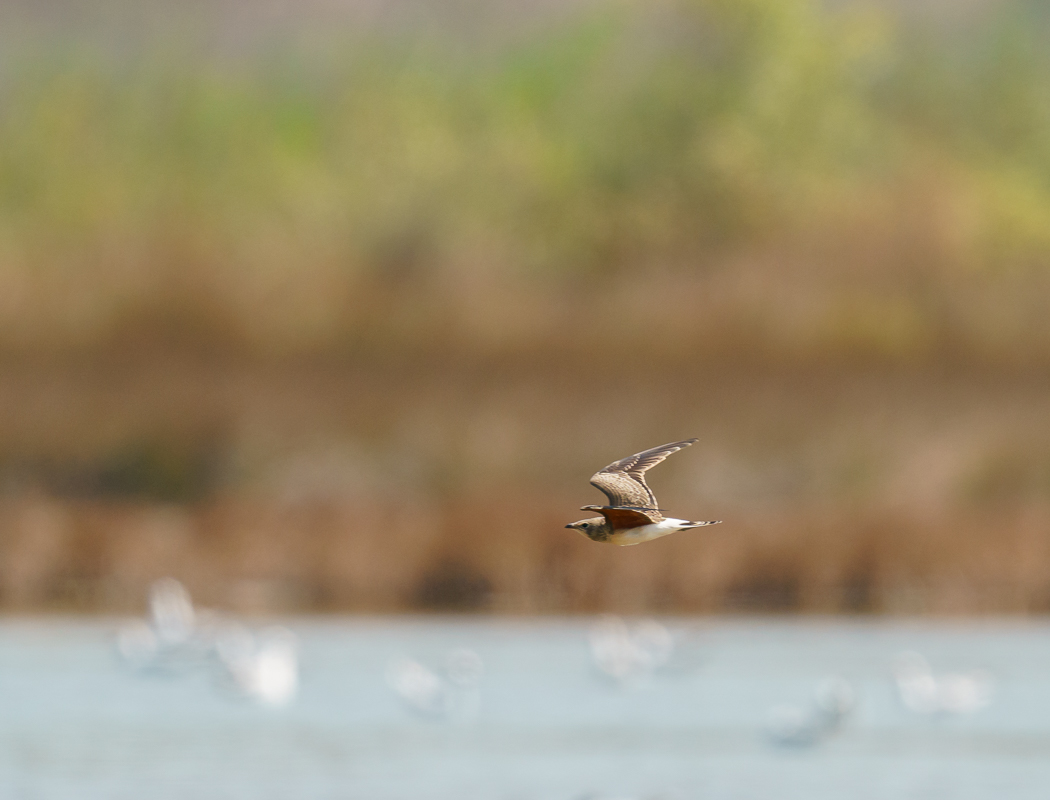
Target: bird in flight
(632,516)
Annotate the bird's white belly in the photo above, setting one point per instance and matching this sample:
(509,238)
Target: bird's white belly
(645,533)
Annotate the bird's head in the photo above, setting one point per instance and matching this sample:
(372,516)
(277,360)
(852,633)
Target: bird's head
(594,528)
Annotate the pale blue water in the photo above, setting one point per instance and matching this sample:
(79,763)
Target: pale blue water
(75,723)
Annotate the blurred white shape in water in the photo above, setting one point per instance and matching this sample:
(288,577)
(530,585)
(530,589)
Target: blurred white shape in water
(451,694)
(167,641)
(171,612)
(924,692)
(627,653)
(421,688)
(792,725)
(137,643)
(175,637)
(835,700)
(802,726)
(264,668)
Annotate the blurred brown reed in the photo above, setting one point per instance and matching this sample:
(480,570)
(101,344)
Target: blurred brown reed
(342,316)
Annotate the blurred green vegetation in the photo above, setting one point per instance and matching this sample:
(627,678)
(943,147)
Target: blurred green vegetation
(299,308)
(333,192)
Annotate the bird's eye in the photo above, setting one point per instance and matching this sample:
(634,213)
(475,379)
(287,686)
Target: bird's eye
(586,524)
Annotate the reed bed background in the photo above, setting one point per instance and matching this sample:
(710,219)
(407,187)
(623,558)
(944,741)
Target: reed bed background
(338,307)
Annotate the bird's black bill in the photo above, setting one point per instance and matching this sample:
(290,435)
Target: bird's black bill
(568,526)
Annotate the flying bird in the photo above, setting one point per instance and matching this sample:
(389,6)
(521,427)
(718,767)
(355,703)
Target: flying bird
(632,516)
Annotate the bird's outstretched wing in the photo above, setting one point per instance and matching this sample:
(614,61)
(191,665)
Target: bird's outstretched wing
(623,481)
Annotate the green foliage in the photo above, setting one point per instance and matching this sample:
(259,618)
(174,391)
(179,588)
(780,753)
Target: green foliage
(280,187)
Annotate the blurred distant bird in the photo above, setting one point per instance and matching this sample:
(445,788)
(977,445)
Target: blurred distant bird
(632,516)
(264,668)
(629,653)
(451,694)
(924,692)
(833,701)
(171,639)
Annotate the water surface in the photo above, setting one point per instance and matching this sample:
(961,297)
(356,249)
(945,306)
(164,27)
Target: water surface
(77,723)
